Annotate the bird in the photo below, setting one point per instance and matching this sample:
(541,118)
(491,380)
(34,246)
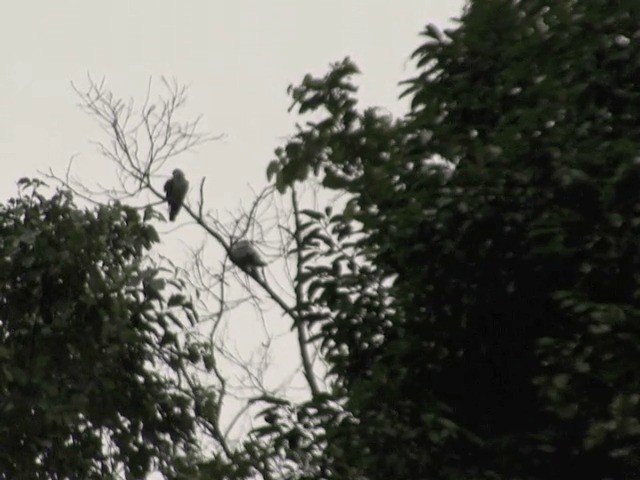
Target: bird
(245,255)
(175,190)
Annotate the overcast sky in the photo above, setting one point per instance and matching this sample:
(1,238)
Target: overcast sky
(237,56)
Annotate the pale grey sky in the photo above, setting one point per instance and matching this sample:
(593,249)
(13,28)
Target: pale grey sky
(237,56)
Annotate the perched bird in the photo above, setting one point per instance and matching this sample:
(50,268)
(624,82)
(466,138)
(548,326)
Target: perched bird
(245,255)
(175,190)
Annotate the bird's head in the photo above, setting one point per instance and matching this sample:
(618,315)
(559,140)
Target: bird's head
(177,173)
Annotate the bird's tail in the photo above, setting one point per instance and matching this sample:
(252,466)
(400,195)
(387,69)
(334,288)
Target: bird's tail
(173,213)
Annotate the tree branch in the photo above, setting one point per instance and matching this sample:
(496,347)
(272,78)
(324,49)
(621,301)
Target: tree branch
(300,326)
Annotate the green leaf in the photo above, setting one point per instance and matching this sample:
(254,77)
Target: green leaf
(333,181)
(272,169)
(312,214)
(176,299)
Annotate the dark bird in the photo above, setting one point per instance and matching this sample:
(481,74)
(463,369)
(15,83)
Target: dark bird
(175,191)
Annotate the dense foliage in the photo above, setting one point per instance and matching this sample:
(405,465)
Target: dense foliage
(475,291)
(88,350)
(483,324)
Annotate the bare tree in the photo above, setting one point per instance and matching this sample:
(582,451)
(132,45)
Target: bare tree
(142,143)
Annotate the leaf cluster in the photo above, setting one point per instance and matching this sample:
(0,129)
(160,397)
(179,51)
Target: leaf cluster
(502,340)
(89,352)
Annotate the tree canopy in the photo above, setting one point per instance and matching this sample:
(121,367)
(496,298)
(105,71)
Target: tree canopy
(474,290)
(90,351)
(504,344)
